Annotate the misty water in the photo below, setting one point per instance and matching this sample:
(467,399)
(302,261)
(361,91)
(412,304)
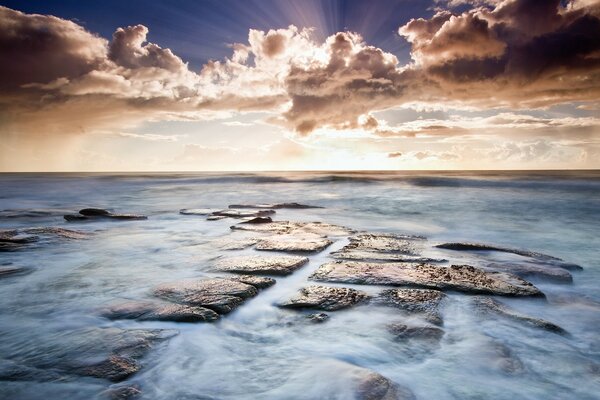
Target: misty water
(260,351)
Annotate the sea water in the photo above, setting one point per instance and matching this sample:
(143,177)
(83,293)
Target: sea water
(263,352)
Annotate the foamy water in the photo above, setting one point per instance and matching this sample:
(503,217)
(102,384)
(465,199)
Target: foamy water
(263,352)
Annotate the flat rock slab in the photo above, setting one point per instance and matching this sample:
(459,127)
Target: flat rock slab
(530,270)
(219,294)
(325,298)
(307,242)
(95,214)
(258,282)
(486,247)
(154,311)
(366,255)
(385,242)
(462,278)
(265,265)
(273,206)
(235,244)
(318,228)
(420,301)
(487,305)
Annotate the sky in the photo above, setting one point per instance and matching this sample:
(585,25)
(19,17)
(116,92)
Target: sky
(224,85)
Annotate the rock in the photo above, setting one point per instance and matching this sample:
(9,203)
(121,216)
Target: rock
(243,213)
(218,294)
(307,242)
(266,265)
(462,278)
(91,214)
(360,255)
(317,318)
(385,242)
(234,244)
(13,236)
(115,368)
(402,331)
(420,301)
(12,371)
(256,281)
(216,217)
(153,311)
(61,232)
(273,206)
(372,386)
(318,228)
(502,357)
(199,211)
(257,220)
(485,247)
(325,298)
(529,270)
(6,271)
(487,305)
(122,392)
(106,353)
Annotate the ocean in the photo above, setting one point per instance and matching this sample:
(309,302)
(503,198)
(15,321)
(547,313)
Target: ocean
(261,351)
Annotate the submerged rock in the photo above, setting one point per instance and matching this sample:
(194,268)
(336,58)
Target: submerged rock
(462,278)
(122,392)
(91,214)
(13,236)
(372,386)
(485,304)
(153,311)
(266,265)
(235,244)
(114,368)
(12,371)
(306,242)
(7,270)
(16,239)
(218,294)
(485,247)
(402,331)
(361,255)
(529,270)
(107,353)
(420,301)
(325,298)
(56,231)
(317,318)
(273,206)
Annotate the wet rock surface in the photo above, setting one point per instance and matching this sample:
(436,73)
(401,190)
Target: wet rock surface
(219,294)
(92,214)
(258,282)
(419,301)
(325,298)
(9,270)
(274,206)
(258,220)
(531,270)
(106,353)
(373,386)
(485,247)
(462,278)
(154,311)
(122,392)
(265,265)
(402,332)
(319,228)
(317,318)
(17,239)
(306,242)
(488,305)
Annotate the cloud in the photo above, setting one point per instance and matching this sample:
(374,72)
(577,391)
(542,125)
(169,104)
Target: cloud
(511,54)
